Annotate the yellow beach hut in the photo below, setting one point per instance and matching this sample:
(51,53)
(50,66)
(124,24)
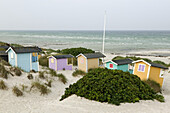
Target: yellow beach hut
(147,70)
(89,61)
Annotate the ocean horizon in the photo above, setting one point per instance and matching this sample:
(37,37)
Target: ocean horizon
(117,41)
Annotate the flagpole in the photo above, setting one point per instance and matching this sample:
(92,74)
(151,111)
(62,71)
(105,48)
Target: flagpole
(104,32)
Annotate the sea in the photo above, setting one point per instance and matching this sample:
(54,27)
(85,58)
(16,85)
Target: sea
(115,41)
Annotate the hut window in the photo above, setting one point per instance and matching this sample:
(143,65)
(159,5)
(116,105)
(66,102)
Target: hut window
(69,60)
(82,61)
(52,60)
(162,73)
(111,65)
(141,68)
(12,55)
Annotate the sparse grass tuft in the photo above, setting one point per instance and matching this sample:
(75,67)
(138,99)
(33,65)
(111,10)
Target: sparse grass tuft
(78,72)
(24,87)
(62,78)
(30,77)
(17,71)
(41,75)
(3,72)
(49,83)
(2,85)
(17,91)
(43,89)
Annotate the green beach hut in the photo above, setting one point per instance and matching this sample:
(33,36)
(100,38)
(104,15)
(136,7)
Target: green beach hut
(123,64)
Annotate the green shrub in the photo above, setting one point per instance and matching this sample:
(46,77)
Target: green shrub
(43,61)
(3,72)
(156,86)
(133,58)
(76,51)
(41,75)
(162,63)
(2,85)
(43,89)
(112,86)
(78,72)
(17,91)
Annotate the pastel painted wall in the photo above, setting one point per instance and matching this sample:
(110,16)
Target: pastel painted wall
(24,61)
(155,75)
(82,63)
(62,63)
(52,63)
(142,75)
(123,67)
(12,60)
(108,65)
(93,63)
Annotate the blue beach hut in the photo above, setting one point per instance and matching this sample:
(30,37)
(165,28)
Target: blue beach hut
(123,64)
(25,58)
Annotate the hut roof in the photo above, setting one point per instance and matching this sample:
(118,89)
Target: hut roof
(63,56)
(123,61)
(25,49)
(93,55)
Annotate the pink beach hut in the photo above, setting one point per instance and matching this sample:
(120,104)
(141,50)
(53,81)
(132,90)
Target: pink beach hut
(61,62)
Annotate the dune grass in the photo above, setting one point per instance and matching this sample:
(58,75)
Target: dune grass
(3,85)
(42,89)
(78,72)
(61,77)
(41,75)
(17,91)
(3,72)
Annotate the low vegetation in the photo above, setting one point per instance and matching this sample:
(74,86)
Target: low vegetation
(30,76)
(3,72)
(17,91)
(43,61)
(112,86)
(156,86)
(48,83)
(138,58)
(76,51)
(61,77)
(78,72)
(42,89)
(3,85)
(17,71)
(41,75)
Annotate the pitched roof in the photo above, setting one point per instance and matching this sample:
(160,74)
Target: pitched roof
(123,61)
(26,49)
(94,55)
(63,56)
(158,65)
(152,64)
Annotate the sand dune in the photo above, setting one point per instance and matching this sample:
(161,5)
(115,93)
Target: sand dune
(33,102)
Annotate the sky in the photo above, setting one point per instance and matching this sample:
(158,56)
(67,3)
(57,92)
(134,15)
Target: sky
(84,14)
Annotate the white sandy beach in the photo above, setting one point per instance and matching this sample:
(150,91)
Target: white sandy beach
(33,102)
